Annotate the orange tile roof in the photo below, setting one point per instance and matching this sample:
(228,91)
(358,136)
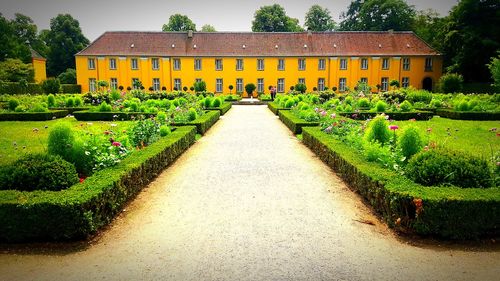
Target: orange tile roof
(275,44)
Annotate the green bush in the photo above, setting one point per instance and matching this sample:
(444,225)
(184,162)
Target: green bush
(435,103)
(380,106)
(289,103)
(165,130)
(363,102)
(410,141)
(349,100)
(207,102)
(192,114)
(71,88)
(51,86)
(451,83)
(39,172)
(60,141)
(249,88)
(144,132)
(376,152)
(78,101)
(406,106)
(441,167)
(161,116)
(300,88)
(51,100)
(13,103)
(70,102)
(115,95)
(68,77)
(216,102)
(418,96)
(20,108)
(200,86)
(463,105)
(39,107)
(378,130)
(104,107)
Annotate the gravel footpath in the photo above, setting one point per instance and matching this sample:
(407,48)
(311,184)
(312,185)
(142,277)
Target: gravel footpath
(248,202)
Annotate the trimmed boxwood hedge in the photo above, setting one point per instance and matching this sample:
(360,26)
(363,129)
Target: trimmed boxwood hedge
(398,116)
(69,109)
(274,107)
(81,210)
(71,88)
(32,116)
(294,123)
(14,88)
(469,115)
(225,106)
(204,122)
(447,212)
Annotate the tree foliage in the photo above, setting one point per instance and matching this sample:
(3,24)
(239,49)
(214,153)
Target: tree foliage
(64,40)
(68,76)
(14,70)
(494,67)
(319,19)
(274,19)
(378,15)
(208,28)
(429,26)
(178,22)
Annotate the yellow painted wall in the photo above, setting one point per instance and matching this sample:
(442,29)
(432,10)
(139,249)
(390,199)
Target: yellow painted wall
(40,70)
(332,72)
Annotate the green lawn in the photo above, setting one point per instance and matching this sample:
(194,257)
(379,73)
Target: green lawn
(18,138)
(474,137)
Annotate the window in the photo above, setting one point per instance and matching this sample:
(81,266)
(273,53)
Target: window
(321,64)
(405,82)
(218,85)
(239,64)
(385,63)
(197,64)
(260,85)
(177,84)
(281,85)
(91,63)
(113,83)
(281,64)
(135,83)
(156,84)
(406,63)
(197,80)
(321,84)
(343,64)
(177,64)
(302,81)
(155,63)
(428,64)
(364,80)
(134,64)
(112,64)
(218,64)
(92,84)
(364,63)
(385,84)
(342,84)
(260,64)
(302,64)
(239,85)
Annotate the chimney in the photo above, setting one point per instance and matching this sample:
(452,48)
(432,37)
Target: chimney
(190,34)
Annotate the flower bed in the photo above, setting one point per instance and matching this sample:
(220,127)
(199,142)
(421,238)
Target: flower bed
(82,209)
(417,115)
(32,116)
(448,212)
(295,124)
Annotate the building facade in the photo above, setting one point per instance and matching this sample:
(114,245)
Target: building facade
(39,66)
(174,60)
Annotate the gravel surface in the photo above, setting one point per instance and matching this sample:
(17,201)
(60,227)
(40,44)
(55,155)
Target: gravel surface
(249,202)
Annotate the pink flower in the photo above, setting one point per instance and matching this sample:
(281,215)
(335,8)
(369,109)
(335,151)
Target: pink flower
(115,143)
(333,115)
(393,127)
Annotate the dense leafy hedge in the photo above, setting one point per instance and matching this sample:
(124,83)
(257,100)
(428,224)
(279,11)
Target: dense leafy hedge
(274,107)
(14,88)
(107,116)
(223,108)
(398,116)
(71,88)
(32,116)
(82,209)
(448,212)
(294,123)
(70,110)
(468,115)
(204,122)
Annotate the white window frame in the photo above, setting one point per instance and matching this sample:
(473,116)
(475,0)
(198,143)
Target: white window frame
(281,64)
(260,85)
(198,80)
(178,84)
(321,64)
(260,64)
(92,84)
(239,64)
(363,80)
(112,64)
(219,65)
(197,64)
(343,64)
(239,85)
(364,63)
(385,63)
(342,84)
(384,84)
(155,63)
(156,84)
(134,63)
(177,64)
(91,63)
(321,84)
(405,82)
(113,83)
(219,85)
(302,81)
(302,64)
(281,85)
(406,64)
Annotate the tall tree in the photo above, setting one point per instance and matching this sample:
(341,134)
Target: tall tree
(319,19)
(472,38)
(8,40)
(274,19)
(429,26)
(208,28)
(378,15)
(27,34)
(64,40)
(178,22)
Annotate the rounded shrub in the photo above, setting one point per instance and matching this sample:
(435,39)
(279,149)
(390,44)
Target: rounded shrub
(192,114)
(349,100)
(161,117)
(164,130)
(51,86)
(348,108)
(435,103)
(13,103)
(104,107)
(115,95)
(315,99)
(78,101)
(363,102)
(20,108)
(207,102)
(60,141)
(451,83)
(410,141)
(406,106)
(39,107)
(380,106)
(463,105)
(70,102)
(289,103)
(216,102)
(165,103)
(51,100)
(378,130)
(438,167)
(39,172)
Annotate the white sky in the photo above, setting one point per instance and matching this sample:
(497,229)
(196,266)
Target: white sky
(98,16)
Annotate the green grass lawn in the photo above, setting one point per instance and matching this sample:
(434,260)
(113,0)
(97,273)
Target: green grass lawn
(18,138)
(474,137)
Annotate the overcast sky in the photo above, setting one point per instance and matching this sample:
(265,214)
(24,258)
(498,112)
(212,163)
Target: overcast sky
(98,16)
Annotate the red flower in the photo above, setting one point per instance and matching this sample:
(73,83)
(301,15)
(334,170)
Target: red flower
(115,143)
(82,180)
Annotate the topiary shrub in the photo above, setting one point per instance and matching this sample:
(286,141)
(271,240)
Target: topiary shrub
(39,108)
(39,172)
(104,107)
(378,130)
(406,106)
(164,131)
(78,101)
(60,141)
(300,88)
(363,102)
(289,103)
(216,102)
(13,103)
(410,141)
(441,167)
(463,105)
(51,86)
(451,83)
(70,102)
(207,102)
(161,117)
(192,114)
(51,100)
(380,106)
(249,88)
(20,108)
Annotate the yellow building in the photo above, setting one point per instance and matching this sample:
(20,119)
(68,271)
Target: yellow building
(39,66)
(174,60)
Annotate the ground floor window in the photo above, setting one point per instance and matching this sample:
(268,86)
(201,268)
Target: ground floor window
(364,80)
(281,85)
(177,84)
(156,84)
(405,82)
(302,81)
(92,85)
(113,83)
(218,85)
(342,84)
(260,85)
(321,84)
(384,86)
(239,85)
